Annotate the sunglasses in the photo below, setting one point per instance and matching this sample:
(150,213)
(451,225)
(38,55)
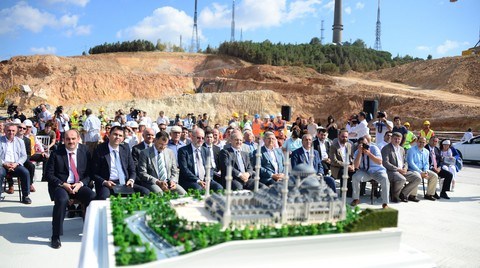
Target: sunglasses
(22,128)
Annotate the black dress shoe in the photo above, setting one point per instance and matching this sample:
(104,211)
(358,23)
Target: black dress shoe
(444,195)
(430,197)
(403,198)
(56,242)
(395,200)
(26,200)
(436,196)
(413,198)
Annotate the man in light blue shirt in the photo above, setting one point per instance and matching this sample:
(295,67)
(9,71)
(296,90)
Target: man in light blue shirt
(368,161)
(417,158)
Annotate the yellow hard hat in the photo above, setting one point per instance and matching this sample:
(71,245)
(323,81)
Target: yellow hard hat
(84,109)
(245,114)
(235,114)
(75,113)
(102,109)
(406,124)
(426,122)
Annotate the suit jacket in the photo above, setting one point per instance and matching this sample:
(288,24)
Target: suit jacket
(298,157)
(19,152)
(148,168)
(389,158)
(336,158)
(316,146)
(57,169)
(186,164)
(136,152)
(266,166)
(438,156)
(101,163)
(227,157)
(216,151)
(28,146)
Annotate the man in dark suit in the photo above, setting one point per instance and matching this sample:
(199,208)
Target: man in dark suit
(214,152)
(271,161)
(394,160)
(68,178)
(113,165)
(157,167)
(242,169)
(148,137)
(192,162)
(322,145)
(434,160)
(304,155)
(28,145)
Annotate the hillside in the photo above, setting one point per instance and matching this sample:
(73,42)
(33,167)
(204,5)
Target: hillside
(445,91)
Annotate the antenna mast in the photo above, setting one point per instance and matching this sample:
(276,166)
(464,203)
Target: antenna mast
(378,44)
(195,47)
(232,36)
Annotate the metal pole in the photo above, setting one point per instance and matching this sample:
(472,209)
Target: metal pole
(344,187)
(257,168)
(208,177)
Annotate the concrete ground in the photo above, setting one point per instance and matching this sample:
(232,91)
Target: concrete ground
(446,230)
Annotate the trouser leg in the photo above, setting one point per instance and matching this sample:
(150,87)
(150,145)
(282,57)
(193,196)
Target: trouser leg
(432,182)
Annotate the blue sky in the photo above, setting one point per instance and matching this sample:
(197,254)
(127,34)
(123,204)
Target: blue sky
(68,27)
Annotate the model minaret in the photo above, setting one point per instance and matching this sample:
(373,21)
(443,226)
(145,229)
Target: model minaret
(257,168)
(285,189)
(228,198)
(346,162)
(208,176)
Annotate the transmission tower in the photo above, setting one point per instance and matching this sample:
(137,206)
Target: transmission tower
(195,46)
(378,44)
(321,34)
(337,23)
(241,34)
(232,37)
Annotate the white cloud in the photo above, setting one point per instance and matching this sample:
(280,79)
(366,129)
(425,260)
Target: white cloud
(254,14)
(24,16)
(348,10)
(330,6)
(43,50)
(81,3)
(166,23)
(423,48)
(447,46)
(359,5)
(79,30)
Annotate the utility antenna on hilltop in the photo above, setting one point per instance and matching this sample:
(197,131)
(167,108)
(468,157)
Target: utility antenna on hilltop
(378,44)
(195,47)
(241,34)
(321,34)
(232,36)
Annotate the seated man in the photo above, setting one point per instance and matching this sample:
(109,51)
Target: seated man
(304,155)
(192,162)
(434,161)
(394,160)
(157,167)
(322,145)
(68,177)
(113,165)
(387,138)
(417,158)
(272,160)
(339,150)
(368,161)
(12,157)
(214,151)
(242,169)
(148,136)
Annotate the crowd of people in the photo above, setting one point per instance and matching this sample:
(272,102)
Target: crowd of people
(91,156)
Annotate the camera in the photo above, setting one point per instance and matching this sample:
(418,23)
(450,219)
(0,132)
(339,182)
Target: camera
(12,109)
(59,110)
(365,146)
(134,113)
(380,115)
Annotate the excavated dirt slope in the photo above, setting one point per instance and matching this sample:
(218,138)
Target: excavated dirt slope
(445,91)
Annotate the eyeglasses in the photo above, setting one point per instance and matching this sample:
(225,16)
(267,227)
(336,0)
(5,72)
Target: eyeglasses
(22,128)
(200,138)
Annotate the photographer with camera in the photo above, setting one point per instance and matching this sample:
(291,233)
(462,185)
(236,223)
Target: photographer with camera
(368,161)
(62,120)
(382,125)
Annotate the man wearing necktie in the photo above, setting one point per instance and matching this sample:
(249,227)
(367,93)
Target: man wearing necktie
(307,155)
(113,165)
(271,161)
(192,162)
(434,161)
(242,169)
(68,177)
(157,167)
(417,158)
